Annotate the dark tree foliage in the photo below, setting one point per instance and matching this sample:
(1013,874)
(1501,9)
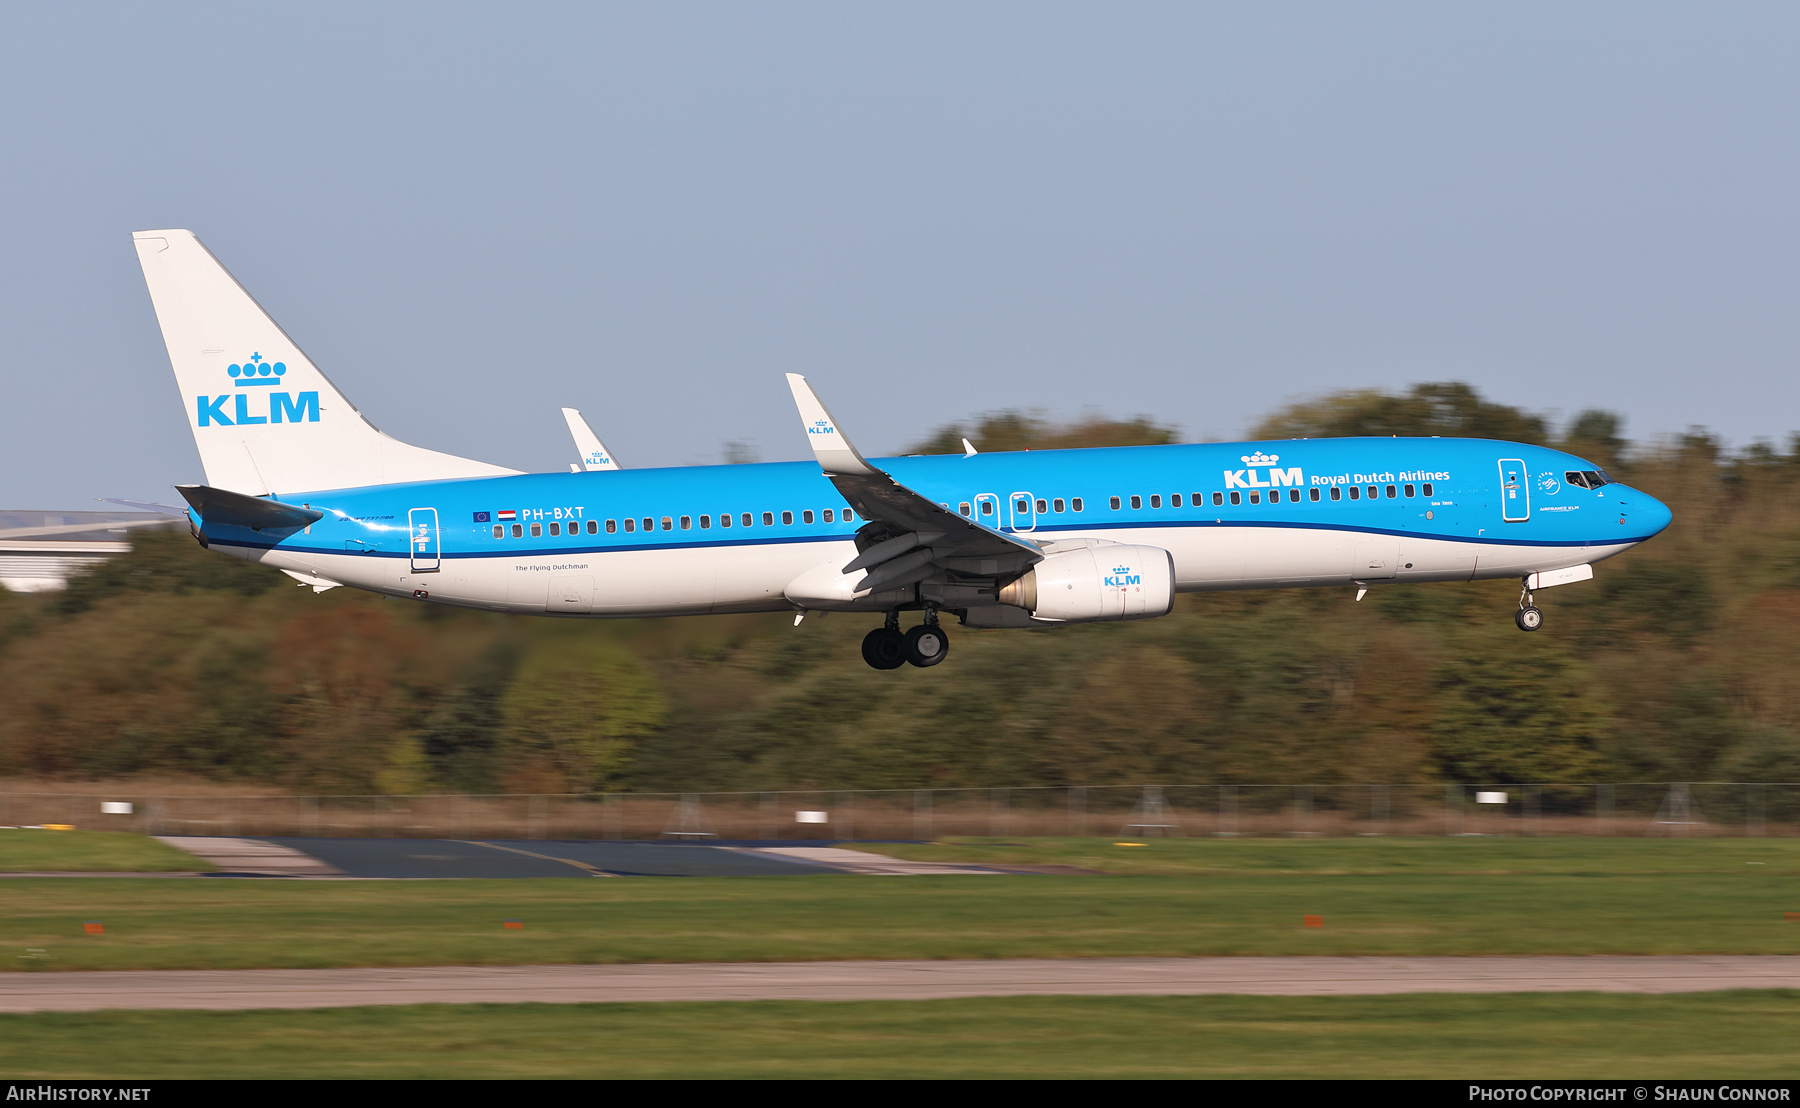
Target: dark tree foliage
(1015,430)
(165,561)
(1446,409)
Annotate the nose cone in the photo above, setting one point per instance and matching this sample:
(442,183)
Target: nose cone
(1648,515)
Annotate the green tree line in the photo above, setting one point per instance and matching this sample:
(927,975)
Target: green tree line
(1678,662)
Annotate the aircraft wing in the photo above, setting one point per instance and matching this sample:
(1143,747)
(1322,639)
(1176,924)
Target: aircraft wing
(594,454)
(913,520)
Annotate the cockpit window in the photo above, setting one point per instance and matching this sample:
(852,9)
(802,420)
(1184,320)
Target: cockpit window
(1588,478)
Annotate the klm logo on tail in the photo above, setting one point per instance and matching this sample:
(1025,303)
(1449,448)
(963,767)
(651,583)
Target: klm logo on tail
(282,407)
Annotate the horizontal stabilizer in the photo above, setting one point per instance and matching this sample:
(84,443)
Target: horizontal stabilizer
(235,509)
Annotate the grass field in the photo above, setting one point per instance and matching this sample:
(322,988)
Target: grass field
(1370,856)
(1737,1035)
(90,852)
(1527,896)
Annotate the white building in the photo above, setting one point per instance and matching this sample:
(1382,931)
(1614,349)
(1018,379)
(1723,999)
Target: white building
(40,551)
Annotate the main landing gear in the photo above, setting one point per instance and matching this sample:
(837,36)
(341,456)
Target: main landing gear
(1529,618)
(924,646)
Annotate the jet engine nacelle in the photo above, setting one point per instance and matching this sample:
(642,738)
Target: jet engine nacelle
(1092,584)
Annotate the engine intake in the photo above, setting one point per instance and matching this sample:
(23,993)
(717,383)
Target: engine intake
(1094,584)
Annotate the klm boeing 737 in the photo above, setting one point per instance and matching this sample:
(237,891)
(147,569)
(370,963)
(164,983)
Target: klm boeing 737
(299,480)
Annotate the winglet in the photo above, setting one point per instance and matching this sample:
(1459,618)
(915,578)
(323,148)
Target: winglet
(835,453)
(969,450)
(594,454)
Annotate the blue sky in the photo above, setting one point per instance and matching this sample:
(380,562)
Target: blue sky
(470,216)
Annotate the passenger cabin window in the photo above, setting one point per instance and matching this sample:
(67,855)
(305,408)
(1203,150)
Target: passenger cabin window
(518,530)
(1293,496)
(745,519)
(537,530)
(612,526)
(1427,488)
(593,527)
(1115,503)
(630,526)
(1390,492)
(828,515)
(787,519)
(687,523)
(649,524)
(1235,497)
(1408,490)
(768,519)
(1137,502)
(668,524)
(1373,492)
(963,507)
(1313,494)
(806,516)
(1155,500)
(1218,498)
(706,522)
(1175,500)
(1356,492)
(499,530)
(1057,504)
(1042,507)
(1336,493)
(724,519)
(556,528)
(1256,498)
(1076,503)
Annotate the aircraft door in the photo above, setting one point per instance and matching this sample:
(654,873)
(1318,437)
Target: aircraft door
(1515,491)
(1019,507)
(987,509)
(422,523)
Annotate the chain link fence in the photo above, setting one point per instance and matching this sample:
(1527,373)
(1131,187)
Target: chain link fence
(1706,808)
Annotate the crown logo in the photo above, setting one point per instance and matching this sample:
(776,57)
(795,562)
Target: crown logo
(1259,459)
(1121,569)
(255,371)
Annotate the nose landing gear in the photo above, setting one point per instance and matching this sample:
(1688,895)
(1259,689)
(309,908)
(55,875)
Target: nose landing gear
(1529,618)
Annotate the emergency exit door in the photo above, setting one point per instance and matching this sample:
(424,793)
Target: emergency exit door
(422,523)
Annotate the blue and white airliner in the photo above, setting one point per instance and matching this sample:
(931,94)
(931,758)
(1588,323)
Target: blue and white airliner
(299,480)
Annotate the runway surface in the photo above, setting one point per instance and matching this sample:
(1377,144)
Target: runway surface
(1303,976)
(412,859)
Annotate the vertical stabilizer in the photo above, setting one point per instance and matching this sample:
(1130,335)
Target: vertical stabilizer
(265,419)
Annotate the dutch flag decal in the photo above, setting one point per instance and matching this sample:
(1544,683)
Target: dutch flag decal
(506,515)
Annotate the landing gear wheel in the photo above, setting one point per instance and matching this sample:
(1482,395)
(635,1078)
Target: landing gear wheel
(926,645)
(884,648)
(1529,619)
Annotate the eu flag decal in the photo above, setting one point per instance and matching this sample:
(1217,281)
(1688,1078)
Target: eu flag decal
(481,517)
